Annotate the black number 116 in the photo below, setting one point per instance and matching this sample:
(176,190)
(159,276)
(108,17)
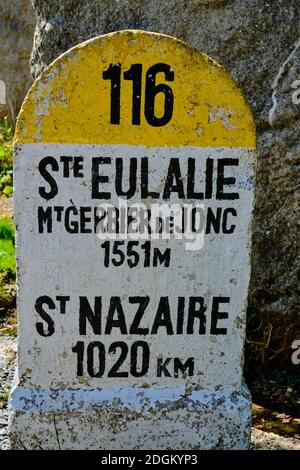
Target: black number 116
(113,73)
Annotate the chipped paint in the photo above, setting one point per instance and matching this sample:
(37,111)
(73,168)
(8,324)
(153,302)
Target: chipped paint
(54,112)
(66,113)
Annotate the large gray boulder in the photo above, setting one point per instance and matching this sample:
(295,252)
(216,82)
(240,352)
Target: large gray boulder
(258,41)
(17,23)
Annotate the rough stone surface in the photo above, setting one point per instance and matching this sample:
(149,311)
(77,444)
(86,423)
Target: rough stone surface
(260,440)
(258,41)
(131,419)
(17,22)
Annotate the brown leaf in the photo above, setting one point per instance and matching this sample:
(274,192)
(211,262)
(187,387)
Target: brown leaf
(287,419)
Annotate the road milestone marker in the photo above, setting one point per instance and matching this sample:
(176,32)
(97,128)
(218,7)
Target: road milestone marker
(134,182)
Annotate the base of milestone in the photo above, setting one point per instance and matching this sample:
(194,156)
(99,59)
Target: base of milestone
(129,419)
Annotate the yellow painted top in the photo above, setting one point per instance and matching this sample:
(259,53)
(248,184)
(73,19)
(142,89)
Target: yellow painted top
(70,101)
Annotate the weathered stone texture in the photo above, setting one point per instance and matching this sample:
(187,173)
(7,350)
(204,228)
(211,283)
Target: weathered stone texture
(258,41)
(17,22)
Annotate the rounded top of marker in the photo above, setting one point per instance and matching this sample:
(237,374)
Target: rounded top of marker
(70,102)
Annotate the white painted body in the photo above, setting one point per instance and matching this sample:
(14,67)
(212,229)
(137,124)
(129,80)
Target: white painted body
(188,409)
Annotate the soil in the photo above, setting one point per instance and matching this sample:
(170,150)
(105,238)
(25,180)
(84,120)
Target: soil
(6,206)
(277,422)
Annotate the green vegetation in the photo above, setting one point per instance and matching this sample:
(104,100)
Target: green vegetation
(7,258)
(7,231)
(6,157)
(4,394)
(7,249)
(7,277)
(7,243)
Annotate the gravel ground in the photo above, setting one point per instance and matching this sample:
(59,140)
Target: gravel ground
(262,440)
(8,348)
(8,353)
